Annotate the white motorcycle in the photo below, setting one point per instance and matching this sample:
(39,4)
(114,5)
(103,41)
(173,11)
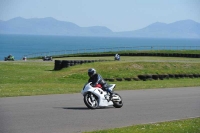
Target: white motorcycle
(95,97)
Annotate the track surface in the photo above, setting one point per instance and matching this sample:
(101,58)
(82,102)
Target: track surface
(67,113)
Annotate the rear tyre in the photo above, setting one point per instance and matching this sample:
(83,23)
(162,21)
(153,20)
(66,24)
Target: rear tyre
(91,101)
(118,104)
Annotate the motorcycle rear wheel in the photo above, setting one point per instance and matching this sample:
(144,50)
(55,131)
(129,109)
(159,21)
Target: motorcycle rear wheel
(91,101)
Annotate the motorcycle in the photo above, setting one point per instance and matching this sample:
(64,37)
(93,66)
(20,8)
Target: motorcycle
(117,57)
(95,97)
(9,58)
(47,58)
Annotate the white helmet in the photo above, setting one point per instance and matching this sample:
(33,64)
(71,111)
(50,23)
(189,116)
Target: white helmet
(91,72)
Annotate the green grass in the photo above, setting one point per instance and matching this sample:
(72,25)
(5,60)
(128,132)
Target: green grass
(38,78)
(179,126)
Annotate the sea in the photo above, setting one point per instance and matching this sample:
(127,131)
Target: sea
(39,45)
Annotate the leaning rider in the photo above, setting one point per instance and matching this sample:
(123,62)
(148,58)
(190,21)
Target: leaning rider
(96,78)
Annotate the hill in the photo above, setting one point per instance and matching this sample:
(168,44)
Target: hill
(51,26)
(179,29)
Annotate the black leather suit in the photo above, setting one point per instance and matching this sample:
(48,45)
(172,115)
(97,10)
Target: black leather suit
(97,79)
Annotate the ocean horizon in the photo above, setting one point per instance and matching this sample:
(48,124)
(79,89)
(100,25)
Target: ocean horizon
(33,45)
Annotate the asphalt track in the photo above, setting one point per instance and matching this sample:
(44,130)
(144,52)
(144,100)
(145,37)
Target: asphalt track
(67,113)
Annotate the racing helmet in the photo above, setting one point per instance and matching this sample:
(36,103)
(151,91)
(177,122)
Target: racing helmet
(91,72)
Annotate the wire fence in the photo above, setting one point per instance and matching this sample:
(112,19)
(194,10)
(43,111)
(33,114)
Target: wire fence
(114,49)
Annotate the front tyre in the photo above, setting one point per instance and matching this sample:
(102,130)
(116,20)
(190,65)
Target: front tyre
(117,103)
(91,101)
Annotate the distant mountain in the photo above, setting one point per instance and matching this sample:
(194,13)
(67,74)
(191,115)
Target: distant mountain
(51,26)
(179,29)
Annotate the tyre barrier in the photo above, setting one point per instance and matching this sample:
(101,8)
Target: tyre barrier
(127,79)
(169,55)
(155,76)
(155,54)
(141,54)
(147,77)
(59,64)
(119,79)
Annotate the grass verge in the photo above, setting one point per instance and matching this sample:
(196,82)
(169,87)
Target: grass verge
(38,77)
(178,126)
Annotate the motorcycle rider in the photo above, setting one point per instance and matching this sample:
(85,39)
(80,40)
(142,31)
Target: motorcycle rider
(96,78)
(117,57)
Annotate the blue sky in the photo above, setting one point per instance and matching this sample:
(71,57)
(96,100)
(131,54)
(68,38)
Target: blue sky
(117,15)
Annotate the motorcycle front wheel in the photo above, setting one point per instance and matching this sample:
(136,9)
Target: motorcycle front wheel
(119,103)
(91,101)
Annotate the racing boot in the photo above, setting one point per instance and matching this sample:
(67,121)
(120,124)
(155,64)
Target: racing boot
(111,94)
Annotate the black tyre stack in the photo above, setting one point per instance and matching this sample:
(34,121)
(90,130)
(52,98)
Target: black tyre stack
(59,64)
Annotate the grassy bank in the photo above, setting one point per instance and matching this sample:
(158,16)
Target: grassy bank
(37,77)
(124,52)
(179,126)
